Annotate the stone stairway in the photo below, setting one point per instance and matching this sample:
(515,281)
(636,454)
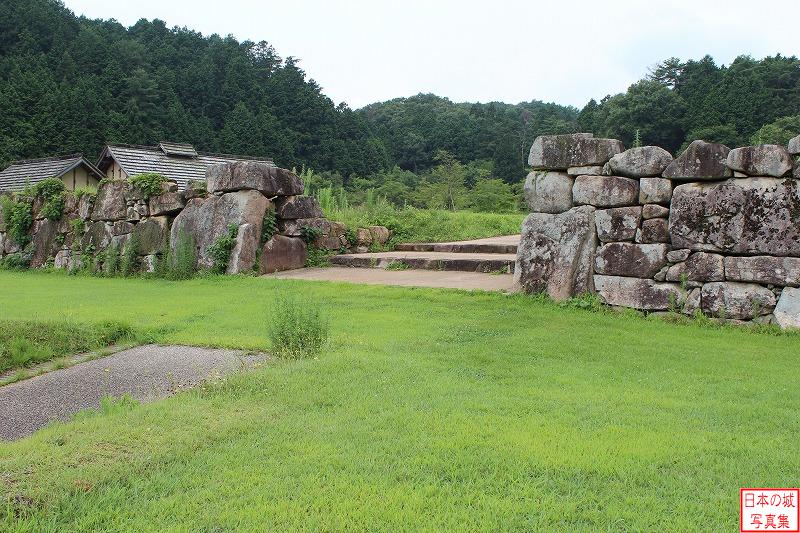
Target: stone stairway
(492,255)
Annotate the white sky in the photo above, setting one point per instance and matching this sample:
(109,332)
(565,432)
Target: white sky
(566,51)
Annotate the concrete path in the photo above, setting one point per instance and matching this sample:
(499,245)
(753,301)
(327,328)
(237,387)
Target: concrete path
(146,373)
(404,278)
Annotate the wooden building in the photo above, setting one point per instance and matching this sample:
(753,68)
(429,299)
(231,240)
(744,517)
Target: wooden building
(74,170)
(176,161)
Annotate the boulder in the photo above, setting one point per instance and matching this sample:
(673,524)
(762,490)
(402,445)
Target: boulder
(548,192)
(110,203)
(605,191)
(733,300)
(593,170)
(644,294)
(640,162)
(700,161)
(62,259)
(738,216)
(629,259)
(294,207)
(380,234)
(294,228)
(782,271)
(206,219)
(762,160)
(654,211)
(794,145)
(560,152)
(363,237)
(653,230)
(700,266)
(151,235)
(245,249)
(655,191)
(253,175)
(330,242)
(556,252)
(787,312)
(166,203)
(98,235)
(283,253)
(121,227)
(618,223)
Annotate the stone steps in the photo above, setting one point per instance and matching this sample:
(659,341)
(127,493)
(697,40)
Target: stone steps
(429,260)
(492,245)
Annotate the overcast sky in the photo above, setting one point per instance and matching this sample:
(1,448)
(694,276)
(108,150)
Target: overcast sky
(564,51)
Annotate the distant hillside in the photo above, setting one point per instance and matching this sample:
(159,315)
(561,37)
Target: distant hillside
(413,129)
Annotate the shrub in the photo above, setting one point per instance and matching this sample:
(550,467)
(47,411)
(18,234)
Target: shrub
(149,183)
(111,261)
(220,251)
(16,261)
(80,192)
(128,262)
(78,226)
(309,234)
(297,331)
(52,192)
(18,215)
(269,226)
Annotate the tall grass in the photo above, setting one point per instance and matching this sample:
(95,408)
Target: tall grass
(297,330)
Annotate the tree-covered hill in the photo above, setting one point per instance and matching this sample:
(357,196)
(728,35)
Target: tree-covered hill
(748,101)
(69,84)
(414,129)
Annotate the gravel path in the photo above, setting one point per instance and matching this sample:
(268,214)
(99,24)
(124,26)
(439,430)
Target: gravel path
(146,373)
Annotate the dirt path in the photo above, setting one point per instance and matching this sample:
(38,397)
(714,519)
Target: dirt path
(404,278)
(146,373)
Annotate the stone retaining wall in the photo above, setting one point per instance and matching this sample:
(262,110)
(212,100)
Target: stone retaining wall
(714,230)
(238,194)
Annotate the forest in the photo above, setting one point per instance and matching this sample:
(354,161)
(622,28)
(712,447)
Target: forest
(70,84)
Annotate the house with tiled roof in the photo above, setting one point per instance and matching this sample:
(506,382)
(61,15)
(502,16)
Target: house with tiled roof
(176,161)
(74,170)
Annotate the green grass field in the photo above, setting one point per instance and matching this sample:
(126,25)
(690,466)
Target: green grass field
(430,410)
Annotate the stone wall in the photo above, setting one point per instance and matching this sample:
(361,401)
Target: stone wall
(714,230)
(239,194)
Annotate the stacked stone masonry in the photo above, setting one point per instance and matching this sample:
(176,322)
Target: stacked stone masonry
(238,194)
(714,230)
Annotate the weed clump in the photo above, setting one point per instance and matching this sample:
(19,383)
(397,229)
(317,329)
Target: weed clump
(297,331)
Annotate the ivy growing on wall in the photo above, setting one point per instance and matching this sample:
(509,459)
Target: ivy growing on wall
(149,183)
(220,251)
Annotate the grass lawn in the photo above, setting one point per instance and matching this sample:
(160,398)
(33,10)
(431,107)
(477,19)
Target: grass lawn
(431,410)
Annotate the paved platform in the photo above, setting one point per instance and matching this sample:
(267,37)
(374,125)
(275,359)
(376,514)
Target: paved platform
(146,373)
(404,278)
(455,261)
(506,244)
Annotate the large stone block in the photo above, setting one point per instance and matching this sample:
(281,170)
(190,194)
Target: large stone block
(294,207)
(294,228)
(640,162)
(745,216)
(283,253)
(764,269)
(167,203)
(700,266)
(655,191)
(110,203)
(151,235)
(548,192)
(605,191)
(653,230)
(787,312)
(207,219)
(98,235)
(253,175)
(593,170)
(654,211)
(644,294)
(560,152)
(618,223)
(628,259)
(762,160)
(742,301)
(700,161)
(44,245)
(556,252)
